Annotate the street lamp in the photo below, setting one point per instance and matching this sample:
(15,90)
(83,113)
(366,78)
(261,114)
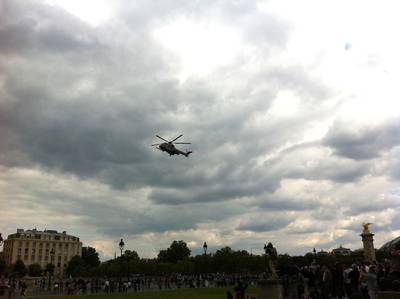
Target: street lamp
(51,268)
(205,248)
(265,256)
(121,246)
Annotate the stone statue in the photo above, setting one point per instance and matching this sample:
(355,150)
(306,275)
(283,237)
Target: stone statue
(271,252)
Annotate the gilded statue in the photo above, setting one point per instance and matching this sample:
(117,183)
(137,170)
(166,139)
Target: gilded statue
(365,226)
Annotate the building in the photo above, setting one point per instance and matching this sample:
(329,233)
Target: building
(41,247)
(393,244)
(341,251)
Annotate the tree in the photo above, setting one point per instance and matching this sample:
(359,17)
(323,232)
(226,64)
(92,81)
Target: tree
(3,265)
(177,251)
(35,270)
(19,268)
(75,266)
(131,255)
(90,257)
(50,268)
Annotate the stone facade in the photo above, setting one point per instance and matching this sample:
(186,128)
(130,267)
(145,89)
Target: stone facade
(41,247)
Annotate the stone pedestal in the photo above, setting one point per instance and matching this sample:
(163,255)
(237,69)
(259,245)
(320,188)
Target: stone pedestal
(270,289)
(368,244)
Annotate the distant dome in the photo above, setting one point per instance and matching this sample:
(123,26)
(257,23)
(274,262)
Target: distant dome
(391,244)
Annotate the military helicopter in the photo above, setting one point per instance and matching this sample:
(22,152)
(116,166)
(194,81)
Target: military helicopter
(169,147)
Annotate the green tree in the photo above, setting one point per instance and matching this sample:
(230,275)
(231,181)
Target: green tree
(50,268)
(75,267)
(3,265)
(177,251)
(90,257)
(35,270)
(19,269)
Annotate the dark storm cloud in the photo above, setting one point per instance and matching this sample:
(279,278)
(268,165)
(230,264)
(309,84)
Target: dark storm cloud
(280,203)
(363,142)
(89,101)
(28,27)
(269,223)
(368,206)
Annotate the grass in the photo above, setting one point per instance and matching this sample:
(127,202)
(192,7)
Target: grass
(209,293)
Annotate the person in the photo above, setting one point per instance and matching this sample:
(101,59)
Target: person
(372,283)
(229,295)
(338,281)
(354,276)
(363,281)
(347,281)
(240,290)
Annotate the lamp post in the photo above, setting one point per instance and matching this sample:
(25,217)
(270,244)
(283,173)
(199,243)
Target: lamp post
(121,246)
(51,268)
(265,255)
(205,248)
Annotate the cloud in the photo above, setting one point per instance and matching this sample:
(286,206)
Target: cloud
(81,105)
(265,222)
(363,142)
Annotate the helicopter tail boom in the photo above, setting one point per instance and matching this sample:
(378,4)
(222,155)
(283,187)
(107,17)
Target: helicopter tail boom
(187,154)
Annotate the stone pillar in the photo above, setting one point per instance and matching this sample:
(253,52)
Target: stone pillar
(368,244)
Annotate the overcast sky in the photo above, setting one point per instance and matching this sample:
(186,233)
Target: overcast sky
(292,109)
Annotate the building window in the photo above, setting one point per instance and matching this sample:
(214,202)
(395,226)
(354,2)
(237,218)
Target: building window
(40,245)
(40,258)
(25,257)
(38,236)
(27,243)
(19,250)
(26,250)
(47,252)
(46,258)
(32,258)
(40,251)
(47,245)
(33,250)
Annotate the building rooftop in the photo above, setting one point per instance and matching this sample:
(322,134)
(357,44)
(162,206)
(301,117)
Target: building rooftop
(34,233)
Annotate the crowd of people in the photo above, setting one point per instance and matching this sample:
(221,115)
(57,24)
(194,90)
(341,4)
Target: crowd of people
(314,282)
(362,280)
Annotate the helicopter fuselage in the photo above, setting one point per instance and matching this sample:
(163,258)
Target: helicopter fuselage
(169,147)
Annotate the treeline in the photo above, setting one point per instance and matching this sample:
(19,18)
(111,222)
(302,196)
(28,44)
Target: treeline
(177,259)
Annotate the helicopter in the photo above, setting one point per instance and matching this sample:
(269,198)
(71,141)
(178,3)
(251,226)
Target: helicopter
(169,147)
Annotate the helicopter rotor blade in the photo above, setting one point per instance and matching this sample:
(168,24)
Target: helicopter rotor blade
(182,143)
(156,144)
(176,138)
(162,138)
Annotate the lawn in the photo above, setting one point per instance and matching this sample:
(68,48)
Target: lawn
(210,293)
